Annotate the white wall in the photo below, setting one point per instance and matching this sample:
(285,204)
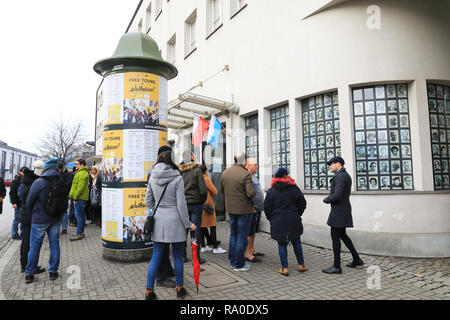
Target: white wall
(276,56)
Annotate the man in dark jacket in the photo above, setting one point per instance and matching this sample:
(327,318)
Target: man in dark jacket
(340,215)
(15,201)
(237,185)
(25,217)
(2,193)
(68,178)
(196,193)
(43,223)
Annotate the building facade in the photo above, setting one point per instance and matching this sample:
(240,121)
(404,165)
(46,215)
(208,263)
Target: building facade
(297,82)
(12,159)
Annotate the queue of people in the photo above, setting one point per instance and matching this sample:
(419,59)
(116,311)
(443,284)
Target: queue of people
(43,200)
(184,197)
(185,207)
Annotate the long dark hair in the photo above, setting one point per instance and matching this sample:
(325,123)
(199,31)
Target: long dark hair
(166,157)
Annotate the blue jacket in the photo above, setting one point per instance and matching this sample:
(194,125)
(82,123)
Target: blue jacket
(38,195)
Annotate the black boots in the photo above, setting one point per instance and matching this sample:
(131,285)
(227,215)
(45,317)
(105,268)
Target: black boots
(356,263)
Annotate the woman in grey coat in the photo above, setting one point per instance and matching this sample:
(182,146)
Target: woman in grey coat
(171,219)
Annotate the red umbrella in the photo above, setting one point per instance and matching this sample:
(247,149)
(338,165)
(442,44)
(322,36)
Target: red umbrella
(195,263)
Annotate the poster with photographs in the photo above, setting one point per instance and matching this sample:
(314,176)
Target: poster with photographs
(382,137)
(439,117)
(321,139)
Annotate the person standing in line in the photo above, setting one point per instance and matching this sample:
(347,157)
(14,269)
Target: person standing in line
(68,179)
(15,202)
(284,206)
(196,193)
(341,215)
(25,218)
(165,270)
(166,186)
(237,185)
(80,195)
(209,217)
(2,193)
(258,203)
(96,185)
(43,223)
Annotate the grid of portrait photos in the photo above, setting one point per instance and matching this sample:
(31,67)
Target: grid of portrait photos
(439,107)
(251,137)
(321,138)
(279,127)
(382,138)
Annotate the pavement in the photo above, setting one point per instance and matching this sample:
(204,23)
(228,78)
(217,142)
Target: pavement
(85,275)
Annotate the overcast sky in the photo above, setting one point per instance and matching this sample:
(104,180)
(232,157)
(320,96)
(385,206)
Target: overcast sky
(47,51)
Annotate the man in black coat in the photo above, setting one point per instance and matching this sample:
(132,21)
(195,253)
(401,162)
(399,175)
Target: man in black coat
(2,193)
(340,215)
(15,202)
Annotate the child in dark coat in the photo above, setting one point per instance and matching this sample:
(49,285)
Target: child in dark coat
(284,206)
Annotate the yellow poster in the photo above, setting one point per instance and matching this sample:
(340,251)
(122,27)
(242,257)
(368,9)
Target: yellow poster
(114,114)
(134,202)
(141,85)
(112,144)
(112,231)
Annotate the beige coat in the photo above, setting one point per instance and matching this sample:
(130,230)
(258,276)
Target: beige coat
(209,220)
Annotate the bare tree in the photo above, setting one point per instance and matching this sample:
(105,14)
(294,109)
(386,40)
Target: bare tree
(61,140)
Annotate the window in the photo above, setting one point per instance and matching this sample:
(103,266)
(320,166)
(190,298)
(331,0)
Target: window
(3,164)
(190,34)
(321,138)
(171,49)
(251,137)
(216,13)
(382,138)
(439,110)
(148,18)
(280,138)
(236,6)
(158,8)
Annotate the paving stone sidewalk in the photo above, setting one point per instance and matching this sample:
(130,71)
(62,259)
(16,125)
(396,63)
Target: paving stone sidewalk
(401,278)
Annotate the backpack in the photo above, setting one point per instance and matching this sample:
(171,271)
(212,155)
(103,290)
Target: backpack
(56,203)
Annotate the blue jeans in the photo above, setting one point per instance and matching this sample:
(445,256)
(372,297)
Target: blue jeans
(282,251)
(195,216)
(239,229)
(37,235)
(72,218)
(79,213)
(158,248)
(15,224)
(68,215)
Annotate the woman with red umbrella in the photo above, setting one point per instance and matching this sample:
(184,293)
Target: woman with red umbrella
(166,186)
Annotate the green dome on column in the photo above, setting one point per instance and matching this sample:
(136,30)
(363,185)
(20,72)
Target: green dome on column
(137,51)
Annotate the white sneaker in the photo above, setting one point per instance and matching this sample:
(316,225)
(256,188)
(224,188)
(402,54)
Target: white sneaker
(244,268)
(219,250)
(206,249)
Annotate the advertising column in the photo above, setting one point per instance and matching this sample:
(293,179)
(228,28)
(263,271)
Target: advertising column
(135,126)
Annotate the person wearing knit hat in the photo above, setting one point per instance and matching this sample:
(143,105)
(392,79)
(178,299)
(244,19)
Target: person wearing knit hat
(52,163)
(38,166)
(284,205)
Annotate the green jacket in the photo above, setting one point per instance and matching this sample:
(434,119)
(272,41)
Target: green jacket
(80,185)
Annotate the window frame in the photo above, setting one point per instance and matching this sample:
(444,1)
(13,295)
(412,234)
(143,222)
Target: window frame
(379,110)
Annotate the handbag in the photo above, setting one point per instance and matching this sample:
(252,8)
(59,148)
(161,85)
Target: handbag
(208,209)
(94,197)
(150,221)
